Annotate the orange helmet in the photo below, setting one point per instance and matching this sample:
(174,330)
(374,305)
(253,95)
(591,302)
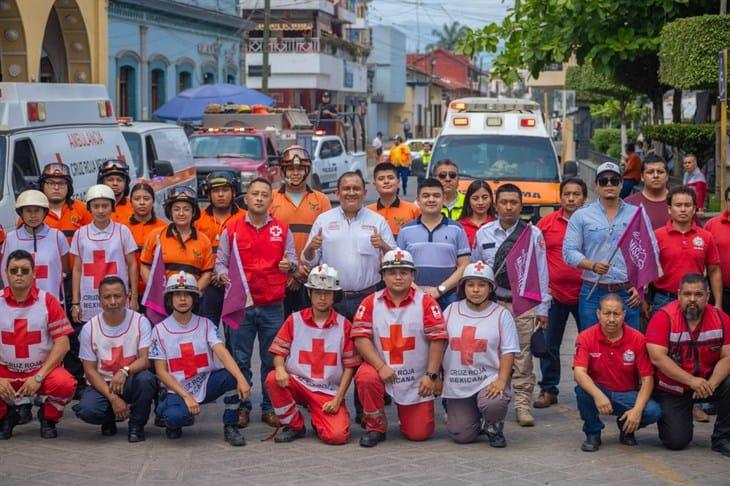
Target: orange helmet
(295,155)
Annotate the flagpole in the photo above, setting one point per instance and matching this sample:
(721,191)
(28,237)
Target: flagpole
(595,284)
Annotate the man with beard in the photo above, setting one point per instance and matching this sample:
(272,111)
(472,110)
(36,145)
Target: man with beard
(689,343)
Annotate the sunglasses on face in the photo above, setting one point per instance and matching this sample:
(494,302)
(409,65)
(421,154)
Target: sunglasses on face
(19,271)
(609,181)
(449,175)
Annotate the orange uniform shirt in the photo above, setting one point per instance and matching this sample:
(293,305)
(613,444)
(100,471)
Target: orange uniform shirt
(71,219)
(140,232)
(211,227)
(397,214)
(195,257)
(122,211)
(299,218)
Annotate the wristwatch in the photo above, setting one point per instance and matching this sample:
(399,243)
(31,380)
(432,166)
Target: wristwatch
(441,289)
(38,378)
(433,376)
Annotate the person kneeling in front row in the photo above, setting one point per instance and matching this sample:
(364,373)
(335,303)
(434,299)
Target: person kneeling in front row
(610,364)
(478,361)
(314,361)
(184,347)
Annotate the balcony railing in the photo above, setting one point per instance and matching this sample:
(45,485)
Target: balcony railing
(301,45)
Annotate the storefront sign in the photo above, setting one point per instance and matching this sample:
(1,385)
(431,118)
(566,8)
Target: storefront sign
(282,26)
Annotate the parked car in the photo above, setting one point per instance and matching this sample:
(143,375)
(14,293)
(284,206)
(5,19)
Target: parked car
(330,160)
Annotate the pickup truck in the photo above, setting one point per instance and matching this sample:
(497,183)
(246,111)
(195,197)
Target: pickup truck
(330,160)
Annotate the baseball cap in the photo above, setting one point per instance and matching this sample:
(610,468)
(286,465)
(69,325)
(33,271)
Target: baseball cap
(326,93)
(608,167)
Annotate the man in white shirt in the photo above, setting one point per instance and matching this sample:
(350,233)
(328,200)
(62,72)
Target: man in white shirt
(378,145)
(493,242)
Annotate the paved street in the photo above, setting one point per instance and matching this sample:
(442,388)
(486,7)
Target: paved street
(548,453)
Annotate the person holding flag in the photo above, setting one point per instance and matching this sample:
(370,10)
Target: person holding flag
(314,362)
(592,243)
(188,355)
(522,293)
(478,361)
(265,247)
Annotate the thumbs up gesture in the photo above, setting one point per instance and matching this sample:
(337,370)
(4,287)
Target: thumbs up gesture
(376,240)
(316,242)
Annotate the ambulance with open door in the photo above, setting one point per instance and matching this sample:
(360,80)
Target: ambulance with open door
(502,140)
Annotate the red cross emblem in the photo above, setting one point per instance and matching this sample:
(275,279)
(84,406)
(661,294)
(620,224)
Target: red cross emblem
(20,338)
(317,358)
(467,345)
(188,362)
(99,267)
(118,360)
(181,280)
(41,271)
(399,255)
(275,231)
(397,344)
(479,266)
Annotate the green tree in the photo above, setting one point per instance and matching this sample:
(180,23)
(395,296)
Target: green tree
(448,36)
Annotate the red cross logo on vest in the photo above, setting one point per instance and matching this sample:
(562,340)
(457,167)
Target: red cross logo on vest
(41,271)
(317,358)
(188,362)
(397,344)
(467,345)
(99,267)
(20,338)
(118,360)
(479,266)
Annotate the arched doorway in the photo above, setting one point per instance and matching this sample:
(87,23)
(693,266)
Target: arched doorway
(13,48)
(66,45)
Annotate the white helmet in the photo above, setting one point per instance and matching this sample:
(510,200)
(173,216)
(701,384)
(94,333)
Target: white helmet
(100,191)
(323,277)
(29,198)
(398,258)
(182,282)
(479,270)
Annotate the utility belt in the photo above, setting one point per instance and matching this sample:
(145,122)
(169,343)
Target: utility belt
(610,287)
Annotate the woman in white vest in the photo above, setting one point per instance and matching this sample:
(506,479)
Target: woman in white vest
(478,360)
(314,362)
(47,245)
(101,248)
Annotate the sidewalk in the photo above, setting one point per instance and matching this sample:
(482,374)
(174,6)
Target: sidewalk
(548,453)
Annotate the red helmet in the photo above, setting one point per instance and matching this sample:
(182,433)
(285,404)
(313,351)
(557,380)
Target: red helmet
(295,155)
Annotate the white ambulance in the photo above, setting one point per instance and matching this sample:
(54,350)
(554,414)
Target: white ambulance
(44,123)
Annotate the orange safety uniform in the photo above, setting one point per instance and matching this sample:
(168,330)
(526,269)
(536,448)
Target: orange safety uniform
(122,211)
(211,227)
(71,219)
(397,214)
(195,257)
(299,218)
(140,232)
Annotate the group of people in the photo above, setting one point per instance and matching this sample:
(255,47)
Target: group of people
(412,302)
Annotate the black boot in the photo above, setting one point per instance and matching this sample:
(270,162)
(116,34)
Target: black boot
(7,423)
(371,439)
(25,413)
(171,433)
(289,435)
(495,434)
(109,428)
(591,444)
(48,427)
(135,433)
(623,437)
(233,436)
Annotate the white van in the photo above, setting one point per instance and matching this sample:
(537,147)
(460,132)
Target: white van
(45,123)
(161,156)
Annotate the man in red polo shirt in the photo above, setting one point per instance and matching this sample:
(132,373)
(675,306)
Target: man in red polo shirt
(614,376)
(689,343)
(565,283)
(684,248)
(719,228)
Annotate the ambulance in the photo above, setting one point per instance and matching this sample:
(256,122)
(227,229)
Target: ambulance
(502,140)
(45,123)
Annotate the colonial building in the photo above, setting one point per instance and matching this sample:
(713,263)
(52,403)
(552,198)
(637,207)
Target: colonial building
(158,48)
(53,41)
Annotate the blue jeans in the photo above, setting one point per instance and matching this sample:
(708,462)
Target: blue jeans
(550,367)
(265,322)
(447,299)
(588,308)
(628,188)
(139,392)
(211,303)
(220,382)
(403,173)
(620,401)
(660,300)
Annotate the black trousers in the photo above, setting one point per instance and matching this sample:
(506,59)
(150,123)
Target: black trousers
(676,426)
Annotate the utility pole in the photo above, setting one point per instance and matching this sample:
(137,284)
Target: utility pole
(722,165)
(265,68)
(429,106)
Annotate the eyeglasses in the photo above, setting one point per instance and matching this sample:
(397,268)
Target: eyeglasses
(444,175)
(609,181)
(52,183)
(56,169)
(19,271)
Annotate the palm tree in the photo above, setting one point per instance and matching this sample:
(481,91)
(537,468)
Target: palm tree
(447,36)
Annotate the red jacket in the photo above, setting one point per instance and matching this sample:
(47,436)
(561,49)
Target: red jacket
(261,251)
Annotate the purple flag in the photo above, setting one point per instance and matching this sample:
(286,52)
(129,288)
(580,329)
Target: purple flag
(237,296)
(154,294)
(522,273)
(635,244)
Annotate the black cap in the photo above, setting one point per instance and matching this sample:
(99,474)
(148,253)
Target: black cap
(326,93)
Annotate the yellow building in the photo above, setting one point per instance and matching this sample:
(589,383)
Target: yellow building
(63,41)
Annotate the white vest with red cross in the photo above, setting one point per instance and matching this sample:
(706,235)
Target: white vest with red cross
(471,360)
(115,352)
(47,258)
(315,355)
(99,258)
(25,340)
(189,358)
(399,338)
